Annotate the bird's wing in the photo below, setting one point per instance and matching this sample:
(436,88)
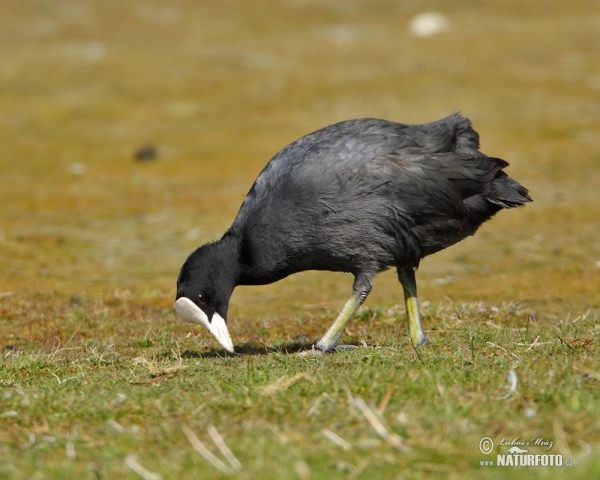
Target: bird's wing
(434,185)
(318,160)
(427,169)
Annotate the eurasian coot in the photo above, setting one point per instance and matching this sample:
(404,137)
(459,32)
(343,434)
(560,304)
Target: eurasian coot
(358,196)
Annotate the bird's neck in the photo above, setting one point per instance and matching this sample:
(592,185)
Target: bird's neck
(227,259)
(250,265)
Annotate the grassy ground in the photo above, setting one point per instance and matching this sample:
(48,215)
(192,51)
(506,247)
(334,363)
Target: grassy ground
(128,382)
(99,379)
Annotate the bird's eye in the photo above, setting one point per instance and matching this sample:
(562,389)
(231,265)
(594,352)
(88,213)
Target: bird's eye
(201,298)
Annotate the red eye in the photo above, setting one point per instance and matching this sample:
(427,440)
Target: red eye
(202,298)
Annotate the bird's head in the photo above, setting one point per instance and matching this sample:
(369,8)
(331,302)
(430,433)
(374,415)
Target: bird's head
(203,293)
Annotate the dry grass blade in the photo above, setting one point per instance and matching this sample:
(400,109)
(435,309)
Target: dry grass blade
(60,382)
(512,378)
(391,438)
(386,399)
(205,452)
(119,428)
(282,384)
(302,469)
(510,354)
(223,448)
(534,343)
(339,441)
(58,349)
(131,462)
(70,449)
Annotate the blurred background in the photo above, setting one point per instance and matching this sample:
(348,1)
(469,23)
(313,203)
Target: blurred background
(131,131)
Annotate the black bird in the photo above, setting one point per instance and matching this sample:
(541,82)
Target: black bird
(359,196)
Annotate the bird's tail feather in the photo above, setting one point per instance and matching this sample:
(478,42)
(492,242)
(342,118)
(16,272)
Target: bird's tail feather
(506,192)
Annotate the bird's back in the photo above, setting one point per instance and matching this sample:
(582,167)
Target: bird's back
(369,193)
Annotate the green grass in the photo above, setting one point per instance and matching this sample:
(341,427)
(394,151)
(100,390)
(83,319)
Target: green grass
(95,367)
(125,383)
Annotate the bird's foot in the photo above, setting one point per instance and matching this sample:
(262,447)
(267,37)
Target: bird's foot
(312,352)
(318,350)
(345,348)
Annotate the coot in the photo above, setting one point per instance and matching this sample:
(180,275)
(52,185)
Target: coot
(359,196)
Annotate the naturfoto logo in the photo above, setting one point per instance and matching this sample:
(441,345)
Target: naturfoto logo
(516,455)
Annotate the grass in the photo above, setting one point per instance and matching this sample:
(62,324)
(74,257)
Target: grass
(86,406)
(98,379)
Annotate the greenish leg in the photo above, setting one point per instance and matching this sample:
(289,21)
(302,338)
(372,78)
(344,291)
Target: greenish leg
(409,285)
(330,340)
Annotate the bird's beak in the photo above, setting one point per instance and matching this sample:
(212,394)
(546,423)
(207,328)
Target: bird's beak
(190,312)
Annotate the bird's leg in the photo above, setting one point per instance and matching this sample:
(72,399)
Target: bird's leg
(330,340)
(406,276)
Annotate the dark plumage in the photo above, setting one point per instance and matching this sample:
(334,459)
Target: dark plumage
(359,196)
